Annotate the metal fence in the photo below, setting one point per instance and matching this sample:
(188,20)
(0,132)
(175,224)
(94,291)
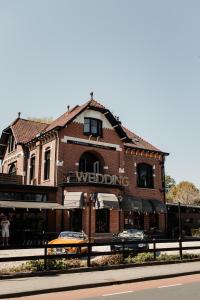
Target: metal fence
(89,253)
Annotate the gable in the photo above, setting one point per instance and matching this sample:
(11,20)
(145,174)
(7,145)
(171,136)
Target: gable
(90,113)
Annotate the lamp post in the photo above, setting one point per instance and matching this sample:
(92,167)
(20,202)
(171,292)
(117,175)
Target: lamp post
(90,203)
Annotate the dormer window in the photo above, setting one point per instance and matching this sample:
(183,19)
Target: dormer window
(92,127)
(11,143)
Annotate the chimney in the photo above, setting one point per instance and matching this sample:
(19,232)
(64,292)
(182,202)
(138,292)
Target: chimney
(91,94)
(19,114)
(68,107)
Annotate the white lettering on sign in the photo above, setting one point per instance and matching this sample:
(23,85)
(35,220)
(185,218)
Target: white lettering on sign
(102,178)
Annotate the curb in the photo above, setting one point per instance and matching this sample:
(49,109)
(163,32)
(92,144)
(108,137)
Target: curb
(93,285)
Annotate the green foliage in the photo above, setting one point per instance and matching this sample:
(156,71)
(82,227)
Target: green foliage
(139,258)
(147,257)
(52,264)
(169,183)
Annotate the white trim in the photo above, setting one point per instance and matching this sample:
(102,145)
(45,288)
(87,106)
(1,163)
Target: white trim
(17,155)
(72,138)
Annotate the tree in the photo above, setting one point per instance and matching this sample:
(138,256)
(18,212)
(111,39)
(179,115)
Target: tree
(185,192)
(169,183)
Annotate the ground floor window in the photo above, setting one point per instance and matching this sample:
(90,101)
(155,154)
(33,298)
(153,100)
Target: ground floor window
(133,220)
(102,220)
(76,219)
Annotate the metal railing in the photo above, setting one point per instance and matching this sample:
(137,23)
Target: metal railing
(89,253)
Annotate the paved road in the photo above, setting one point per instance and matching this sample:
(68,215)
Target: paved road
(179,288)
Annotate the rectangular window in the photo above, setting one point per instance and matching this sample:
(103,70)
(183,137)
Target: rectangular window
(32,168)
(86,125)
(47,165)
(11,144)
(92,127)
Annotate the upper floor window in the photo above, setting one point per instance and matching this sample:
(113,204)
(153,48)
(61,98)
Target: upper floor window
(47,159)
(12,170)
(11,143)
(92,126)
(145,176)
(32,168)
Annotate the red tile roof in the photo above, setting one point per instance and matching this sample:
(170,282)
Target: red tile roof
(71,114)
(138,142)
(26,130)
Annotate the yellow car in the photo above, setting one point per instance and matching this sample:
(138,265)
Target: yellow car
(69,237)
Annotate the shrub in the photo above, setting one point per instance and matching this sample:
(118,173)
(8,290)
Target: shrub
(115,259)
(139,258)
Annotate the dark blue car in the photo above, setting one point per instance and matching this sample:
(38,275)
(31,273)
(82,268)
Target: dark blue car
(137,236)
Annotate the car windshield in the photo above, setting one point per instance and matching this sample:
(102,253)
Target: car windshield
(132,233)
(72,235)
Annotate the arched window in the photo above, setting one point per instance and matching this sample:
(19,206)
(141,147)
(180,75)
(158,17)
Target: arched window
(145,176)
(47,159)
(89,162)
(12,170)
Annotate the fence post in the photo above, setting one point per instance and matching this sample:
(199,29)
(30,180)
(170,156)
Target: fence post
(45,254)
(89,255)
(180,248)
(123,249)
(154,248)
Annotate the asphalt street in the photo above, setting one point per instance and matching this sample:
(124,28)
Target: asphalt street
(179,288)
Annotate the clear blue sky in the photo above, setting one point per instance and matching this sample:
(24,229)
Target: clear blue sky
(141,59)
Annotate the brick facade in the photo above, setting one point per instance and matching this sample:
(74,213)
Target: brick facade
(116,154)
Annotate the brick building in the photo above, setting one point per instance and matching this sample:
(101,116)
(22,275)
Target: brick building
(86,171)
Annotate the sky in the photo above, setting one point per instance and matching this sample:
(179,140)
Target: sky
(140,58)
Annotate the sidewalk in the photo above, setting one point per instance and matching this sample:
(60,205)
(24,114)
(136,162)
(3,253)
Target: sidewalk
(37,285)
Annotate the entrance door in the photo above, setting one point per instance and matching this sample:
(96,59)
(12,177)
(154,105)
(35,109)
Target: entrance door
(102,220)
(76,219)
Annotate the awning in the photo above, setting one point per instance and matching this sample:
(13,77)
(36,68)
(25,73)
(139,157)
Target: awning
(73,200)
(158,206)
(130,203)
(29,205)
(109,201)
(142,205)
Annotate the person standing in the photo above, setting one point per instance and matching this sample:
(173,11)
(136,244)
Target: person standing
(5,225)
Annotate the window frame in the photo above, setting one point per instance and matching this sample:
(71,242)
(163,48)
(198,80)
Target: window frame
(32,168)
(149,176)
(47,164)
(90,126)
(11,143)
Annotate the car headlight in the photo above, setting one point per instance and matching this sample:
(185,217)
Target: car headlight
(141,245)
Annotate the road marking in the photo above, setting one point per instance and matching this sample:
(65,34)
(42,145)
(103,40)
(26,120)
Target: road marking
(107,295)
(171,285)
